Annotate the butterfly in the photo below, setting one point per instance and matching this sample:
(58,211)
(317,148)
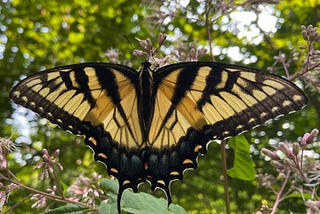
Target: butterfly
(151,125)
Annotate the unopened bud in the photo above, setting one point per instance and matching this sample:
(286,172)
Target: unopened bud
(305,139)
(39,165)
(309,28)
(45,157)
(270,154)
(309,137)
(50,169)
(146,44)
(202,52)
(161,38)
(288,163)
(139,53)
(277,165)
(45,151)
(313,36)
(3,162)
(60,166)
(12,187)
(295,148)
(285,149)
(282,56)
(305,35)
(314,133)
(56,153)
(192,53)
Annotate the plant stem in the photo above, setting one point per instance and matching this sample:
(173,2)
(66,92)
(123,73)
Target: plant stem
(276,203)
(225,176)
(17,204)
(208,25)
(35,191)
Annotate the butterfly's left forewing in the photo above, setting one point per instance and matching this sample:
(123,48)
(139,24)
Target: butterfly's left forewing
(79,97)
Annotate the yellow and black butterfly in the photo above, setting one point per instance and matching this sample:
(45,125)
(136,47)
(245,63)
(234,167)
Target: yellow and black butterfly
(151,125)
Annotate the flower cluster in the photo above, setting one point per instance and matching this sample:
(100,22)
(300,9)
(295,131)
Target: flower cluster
(48,164)
(6,146)
(41,200)
(293,165)
(86,189)
(181,53)
(311,65)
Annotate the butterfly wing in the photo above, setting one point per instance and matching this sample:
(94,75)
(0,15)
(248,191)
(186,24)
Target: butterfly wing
(193,103)
(77,97)
(230,98)
(199,101)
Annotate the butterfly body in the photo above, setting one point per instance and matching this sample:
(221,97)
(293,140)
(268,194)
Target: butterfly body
(151,125)
(146,99)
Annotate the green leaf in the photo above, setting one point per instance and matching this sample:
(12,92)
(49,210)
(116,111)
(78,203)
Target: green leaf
(243,166)
(108,184)
(138,203)
(143,203)
(298,195)
(106,208)
(69,208)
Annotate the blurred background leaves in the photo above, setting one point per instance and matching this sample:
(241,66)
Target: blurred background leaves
(37,35)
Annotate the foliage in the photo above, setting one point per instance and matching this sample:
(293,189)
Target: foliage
(243,165)
(42,34)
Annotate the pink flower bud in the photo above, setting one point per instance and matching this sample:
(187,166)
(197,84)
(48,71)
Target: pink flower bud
(161,38)
(39,165)
(139,53)
(277,165)
(60,166)
(314,133)
(295,148)
(56,153)
(3,162)
(305,139)
(309,137)
(270,154)
(285,149)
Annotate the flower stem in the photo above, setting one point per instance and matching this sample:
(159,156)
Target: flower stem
(276,204)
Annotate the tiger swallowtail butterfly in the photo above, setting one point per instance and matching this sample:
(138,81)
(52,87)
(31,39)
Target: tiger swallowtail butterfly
(152,124)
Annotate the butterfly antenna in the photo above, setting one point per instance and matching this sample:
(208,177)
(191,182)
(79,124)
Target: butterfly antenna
(130,44)
(161,39)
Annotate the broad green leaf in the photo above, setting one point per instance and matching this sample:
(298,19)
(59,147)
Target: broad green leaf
(298,195)
(143,203)
(108,184)
(106,208)
(139,203)
(243,166)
